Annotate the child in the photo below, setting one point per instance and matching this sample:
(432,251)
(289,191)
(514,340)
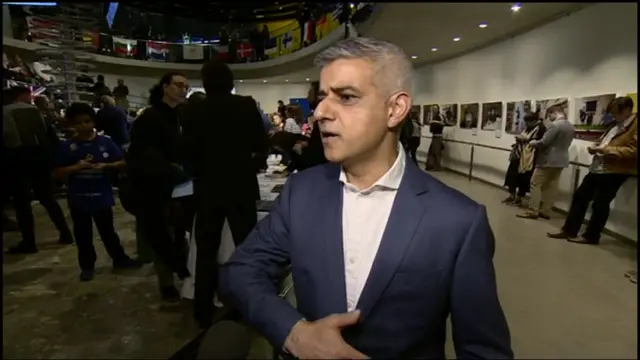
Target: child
(87,160)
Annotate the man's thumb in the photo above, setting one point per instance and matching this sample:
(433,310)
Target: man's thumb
(347,319)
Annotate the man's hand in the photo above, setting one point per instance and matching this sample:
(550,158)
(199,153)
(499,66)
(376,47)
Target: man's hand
(534,143)
(100,166)
(321,339)
(83,164)
(598,149)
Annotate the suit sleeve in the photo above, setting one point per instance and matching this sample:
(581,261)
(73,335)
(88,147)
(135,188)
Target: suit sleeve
(480,330)
(250,277)
(549,135)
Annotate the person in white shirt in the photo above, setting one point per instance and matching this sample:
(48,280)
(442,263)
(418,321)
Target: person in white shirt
(381,253)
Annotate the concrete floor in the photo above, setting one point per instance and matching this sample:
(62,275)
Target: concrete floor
(562,300)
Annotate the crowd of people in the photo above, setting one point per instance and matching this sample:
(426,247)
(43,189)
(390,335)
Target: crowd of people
(348,158)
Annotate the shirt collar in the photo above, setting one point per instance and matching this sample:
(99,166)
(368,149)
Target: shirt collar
(391,179)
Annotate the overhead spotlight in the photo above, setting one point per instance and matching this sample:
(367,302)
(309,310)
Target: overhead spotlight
(240,80)
(516,7)
(264,81)
(352,5)
(414,56)
(434,49)
(286,80)
(483,25)
(456,39)
(307,79)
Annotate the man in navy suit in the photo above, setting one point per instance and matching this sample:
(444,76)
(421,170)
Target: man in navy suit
(381,253)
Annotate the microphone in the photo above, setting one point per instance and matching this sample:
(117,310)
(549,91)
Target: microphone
(225,340)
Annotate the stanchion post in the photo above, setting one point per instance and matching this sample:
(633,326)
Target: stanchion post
(471,163)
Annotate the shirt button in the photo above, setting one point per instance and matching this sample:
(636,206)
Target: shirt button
(350,304)
(352,260)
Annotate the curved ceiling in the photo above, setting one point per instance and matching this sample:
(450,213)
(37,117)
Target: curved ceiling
(428,31)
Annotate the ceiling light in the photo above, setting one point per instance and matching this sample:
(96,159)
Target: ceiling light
(434,49)
(352,5)
(414,56)
(456,39)
(483,25)
(307,79)
(264,81)
(240,80)
(286,80)
(516,7)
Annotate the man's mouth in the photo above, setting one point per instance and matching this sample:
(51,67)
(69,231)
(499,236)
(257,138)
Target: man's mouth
(328,134)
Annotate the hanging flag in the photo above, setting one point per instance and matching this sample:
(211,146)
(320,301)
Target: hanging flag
(307,32)
(321,27)
(91,40)
(158,51)
(271,48)
(245,50)
(291,41)
(222,52)
(192,52)
(40,28)
(124,47)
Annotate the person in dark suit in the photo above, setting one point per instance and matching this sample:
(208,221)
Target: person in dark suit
(224,141)
(154,167)
(381,252)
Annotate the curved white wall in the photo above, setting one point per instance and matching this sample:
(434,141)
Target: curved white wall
(591,52)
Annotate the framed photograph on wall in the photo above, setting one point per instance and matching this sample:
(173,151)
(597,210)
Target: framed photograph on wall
(543,105)
(591,115)
(491,116)
(449,114)
(430,112)
(515,116)
(469,114)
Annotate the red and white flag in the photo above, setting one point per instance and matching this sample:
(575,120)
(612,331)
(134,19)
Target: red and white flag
(244,50)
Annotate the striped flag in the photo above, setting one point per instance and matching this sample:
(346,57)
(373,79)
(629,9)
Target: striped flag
(307,32)
(91,40)
(40,28)
(158,51)
(124,47)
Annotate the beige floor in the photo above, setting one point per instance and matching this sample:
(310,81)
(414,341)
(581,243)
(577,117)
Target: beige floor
(562,300)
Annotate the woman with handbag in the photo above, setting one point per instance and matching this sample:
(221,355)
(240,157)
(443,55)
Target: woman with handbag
(522,160)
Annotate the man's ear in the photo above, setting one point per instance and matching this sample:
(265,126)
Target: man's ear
(399,106)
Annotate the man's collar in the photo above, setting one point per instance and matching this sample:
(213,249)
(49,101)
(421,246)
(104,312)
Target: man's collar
(392,178)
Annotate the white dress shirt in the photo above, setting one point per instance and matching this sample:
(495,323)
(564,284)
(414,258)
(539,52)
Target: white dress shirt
(364,219)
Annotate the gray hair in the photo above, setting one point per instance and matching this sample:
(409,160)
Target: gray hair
(393,69)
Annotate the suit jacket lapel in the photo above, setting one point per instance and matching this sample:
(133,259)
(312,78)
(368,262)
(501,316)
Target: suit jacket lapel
(330,236)
(406,214)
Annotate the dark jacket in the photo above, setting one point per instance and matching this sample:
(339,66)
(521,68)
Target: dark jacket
(224,138)
(155,154)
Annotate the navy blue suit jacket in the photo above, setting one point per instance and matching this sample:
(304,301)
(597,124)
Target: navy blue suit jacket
(434,261)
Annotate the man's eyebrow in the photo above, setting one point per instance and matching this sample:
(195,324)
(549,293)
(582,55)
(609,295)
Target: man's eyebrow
(340,89)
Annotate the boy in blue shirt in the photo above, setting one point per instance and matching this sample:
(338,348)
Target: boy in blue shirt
(88,161)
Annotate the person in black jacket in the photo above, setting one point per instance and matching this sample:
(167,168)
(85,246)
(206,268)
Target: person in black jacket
(224,136)
(154,167)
